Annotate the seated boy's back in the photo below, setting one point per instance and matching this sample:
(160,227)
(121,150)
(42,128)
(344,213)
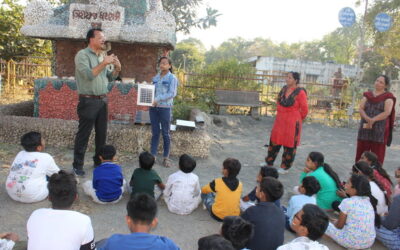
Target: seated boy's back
(267,218)
(182,190)
(141,218)
(58,227)
(26,181)
(144,178)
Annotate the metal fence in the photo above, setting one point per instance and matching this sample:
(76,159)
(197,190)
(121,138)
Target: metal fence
(18,75)
(335,103)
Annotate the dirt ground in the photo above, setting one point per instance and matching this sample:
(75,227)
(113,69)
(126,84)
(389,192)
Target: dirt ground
(240,137)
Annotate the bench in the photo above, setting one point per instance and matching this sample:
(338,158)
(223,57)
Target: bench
(238,98)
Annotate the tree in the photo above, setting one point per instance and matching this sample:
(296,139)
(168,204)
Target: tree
(186,17)
(234,48)
(12,43)
(188,54)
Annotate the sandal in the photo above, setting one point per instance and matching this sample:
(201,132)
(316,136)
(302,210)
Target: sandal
(166,163)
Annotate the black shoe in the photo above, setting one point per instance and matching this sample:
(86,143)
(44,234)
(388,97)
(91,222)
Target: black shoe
(79,172)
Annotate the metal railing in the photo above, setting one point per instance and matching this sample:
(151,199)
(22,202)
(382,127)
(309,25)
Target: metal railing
(18,75)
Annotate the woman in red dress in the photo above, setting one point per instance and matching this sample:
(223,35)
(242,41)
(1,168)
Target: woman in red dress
(292,109)
(377,120)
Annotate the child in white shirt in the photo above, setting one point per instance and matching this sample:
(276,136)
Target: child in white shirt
(27,181)
(182,191)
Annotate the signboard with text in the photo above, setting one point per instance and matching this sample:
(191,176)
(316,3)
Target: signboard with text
(383,22)
(347,17)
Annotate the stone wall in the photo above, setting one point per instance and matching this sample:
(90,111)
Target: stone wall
(57,98)
(138,61)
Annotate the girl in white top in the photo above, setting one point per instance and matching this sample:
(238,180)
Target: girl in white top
(26,181)
(182,190)
(377,189)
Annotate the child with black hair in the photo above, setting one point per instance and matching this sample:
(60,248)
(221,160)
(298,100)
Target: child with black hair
(310,224)
(237,230)
(108,181)
(221,197)
(309,187)
(144,179)
(141,218)
(327,178)
(355,227)
(182,190)
(268,219)
(214,242)
(27,181)
(251,199)
(379,172)
(377,190)
(59,227)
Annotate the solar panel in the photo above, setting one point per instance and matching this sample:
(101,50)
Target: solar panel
(145,94)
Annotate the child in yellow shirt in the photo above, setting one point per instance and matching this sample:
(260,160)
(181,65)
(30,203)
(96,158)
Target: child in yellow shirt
(221,196)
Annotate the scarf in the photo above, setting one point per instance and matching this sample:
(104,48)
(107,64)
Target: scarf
(289,101)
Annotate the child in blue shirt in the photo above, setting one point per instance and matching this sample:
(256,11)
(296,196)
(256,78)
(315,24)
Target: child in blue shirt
(108,182)
(141,219)
(309,187)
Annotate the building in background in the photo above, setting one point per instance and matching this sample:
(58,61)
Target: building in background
(311,72)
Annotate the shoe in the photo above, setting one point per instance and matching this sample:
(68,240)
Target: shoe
(283,171)
(204,207)
(79,172)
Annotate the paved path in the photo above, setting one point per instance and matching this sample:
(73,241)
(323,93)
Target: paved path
(236,136)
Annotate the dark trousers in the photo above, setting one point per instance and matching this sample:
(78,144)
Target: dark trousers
(287,157)
(160,116)
(92,113)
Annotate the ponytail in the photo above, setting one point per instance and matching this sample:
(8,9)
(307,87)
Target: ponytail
(375,164)
(318,158)
(361,184)
(332,174)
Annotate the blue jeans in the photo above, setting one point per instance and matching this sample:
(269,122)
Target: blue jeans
(208,200)
(160,116)
(389,238)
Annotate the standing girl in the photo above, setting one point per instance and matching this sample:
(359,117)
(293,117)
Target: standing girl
(292,109)
(166,85)
(355,227)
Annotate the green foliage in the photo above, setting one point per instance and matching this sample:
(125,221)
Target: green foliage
(186,17)
(12,43)
(188,54)
(234,48)
(199,91)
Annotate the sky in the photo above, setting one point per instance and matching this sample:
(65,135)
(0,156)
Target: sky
(280,20)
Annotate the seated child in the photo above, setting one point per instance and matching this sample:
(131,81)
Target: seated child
(214,242)
(221,197)
(182,191)
(268,219)
(141,219)
(377,189)
(251,199)
(237,230)
(380,173)
(355,227)
(327,178)
(310,224)
(108,182)
(308,188)
(144,179)
(59,227)
(7,240)
(27,181)
(389,232)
